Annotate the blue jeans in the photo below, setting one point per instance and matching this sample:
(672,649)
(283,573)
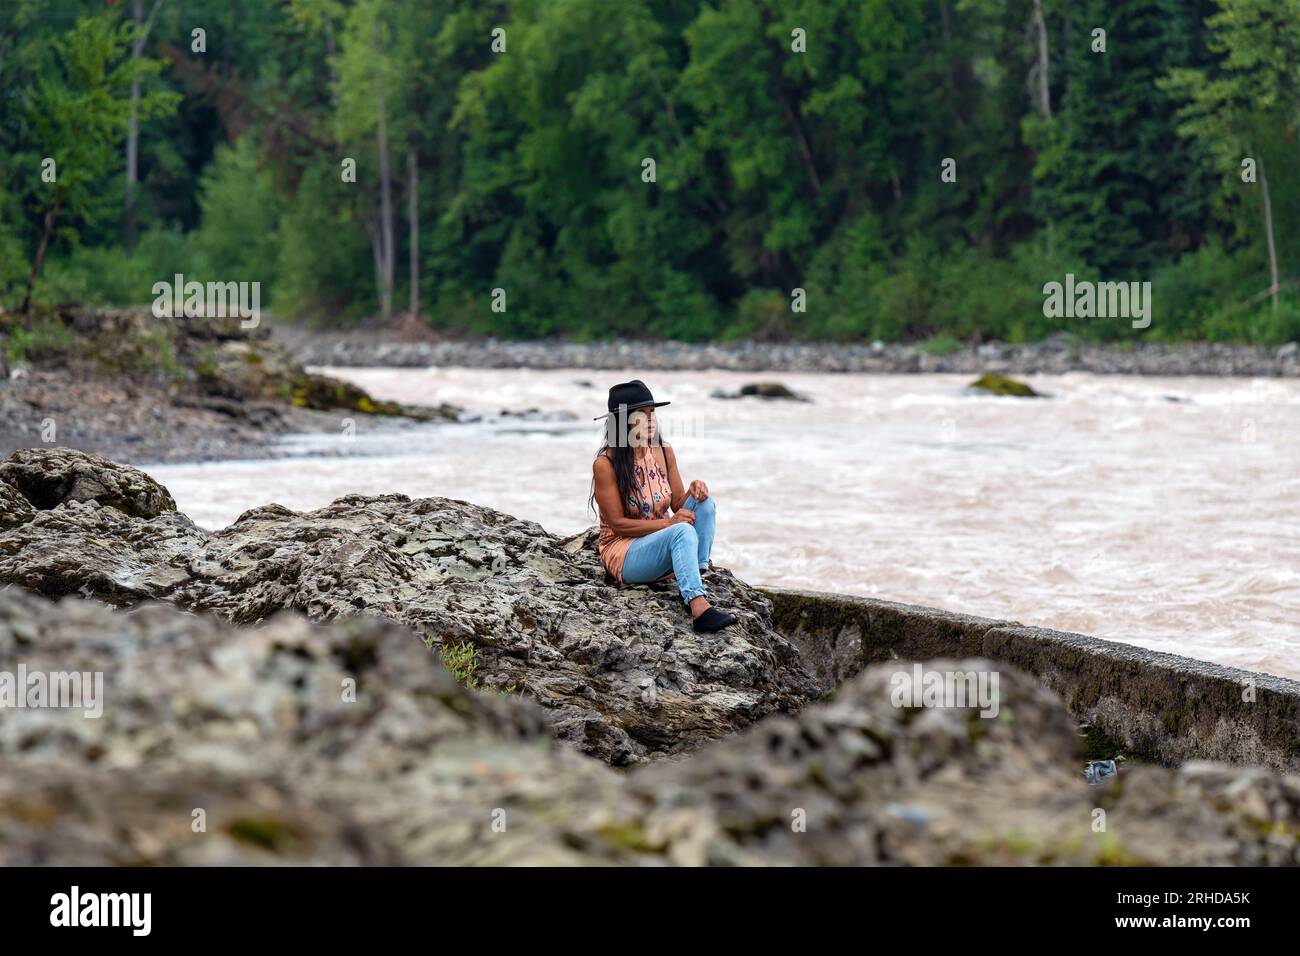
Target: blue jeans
(680,548)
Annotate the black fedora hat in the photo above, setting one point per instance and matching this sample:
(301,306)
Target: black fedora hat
(631,395)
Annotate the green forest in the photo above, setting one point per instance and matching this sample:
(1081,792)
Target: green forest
(901,170)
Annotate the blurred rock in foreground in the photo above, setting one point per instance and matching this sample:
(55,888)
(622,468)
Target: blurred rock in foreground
(294,743)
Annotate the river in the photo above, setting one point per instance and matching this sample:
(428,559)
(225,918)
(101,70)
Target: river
(1162,512)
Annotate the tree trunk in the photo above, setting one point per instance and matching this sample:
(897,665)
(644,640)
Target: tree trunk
(1268,231)
(1042,73)
(377,250)
(385,196)
(1067,36)
(132,161)
(413,218)
(385,217)
(792,117)
(133,134)
(50,216)
(805,153)
(133,122)
(230,32)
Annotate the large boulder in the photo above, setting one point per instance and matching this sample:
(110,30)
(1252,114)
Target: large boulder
(765,390)
(995,384)
(49,477)
(347,743)
(620,671)
(286,743)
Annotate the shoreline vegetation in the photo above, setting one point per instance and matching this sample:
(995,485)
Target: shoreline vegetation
(901,172)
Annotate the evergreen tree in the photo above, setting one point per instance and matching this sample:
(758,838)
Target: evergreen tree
(1122,190)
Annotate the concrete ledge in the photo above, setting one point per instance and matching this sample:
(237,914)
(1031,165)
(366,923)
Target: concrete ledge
(1145,704)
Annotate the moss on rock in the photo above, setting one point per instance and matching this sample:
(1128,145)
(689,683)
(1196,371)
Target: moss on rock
(996,384)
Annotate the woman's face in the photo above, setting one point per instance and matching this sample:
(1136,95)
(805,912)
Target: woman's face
(640,427)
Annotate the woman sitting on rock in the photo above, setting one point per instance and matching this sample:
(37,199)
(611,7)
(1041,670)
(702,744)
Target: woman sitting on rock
(635,483)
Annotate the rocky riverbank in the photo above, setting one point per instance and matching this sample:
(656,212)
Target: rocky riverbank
(1054,356)
(284,741)
(133,387)
(620,671)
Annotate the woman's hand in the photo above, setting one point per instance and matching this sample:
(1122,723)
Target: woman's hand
(682,516)
(699,489)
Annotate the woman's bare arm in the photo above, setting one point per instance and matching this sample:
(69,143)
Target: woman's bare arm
(611,509)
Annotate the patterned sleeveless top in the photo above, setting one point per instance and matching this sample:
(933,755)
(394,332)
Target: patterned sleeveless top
(653,495)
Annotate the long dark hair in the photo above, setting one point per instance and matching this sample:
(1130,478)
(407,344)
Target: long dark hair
(620,456)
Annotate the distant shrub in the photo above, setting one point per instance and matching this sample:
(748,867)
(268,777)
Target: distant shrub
(1199,295)
(239,239)
(315,278)
(763,315)
(940,345)
(114,275)
(39,341)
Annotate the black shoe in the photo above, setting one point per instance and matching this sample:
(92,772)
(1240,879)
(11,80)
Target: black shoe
(713,620)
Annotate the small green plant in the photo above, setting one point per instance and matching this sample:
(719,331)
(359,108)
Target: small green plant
(461,661)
